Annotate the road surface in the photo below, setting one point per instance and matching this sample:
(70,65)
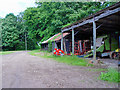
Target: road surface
(21,70)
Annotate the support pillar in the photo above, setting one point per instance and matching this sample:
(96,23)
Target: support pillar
(61,40)
(73,41)
(94,40)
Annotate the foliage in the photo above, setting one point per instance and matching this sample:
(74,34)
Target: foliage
(48,18)
(71,60)
(10,34)
(67,25)
(50,46)
(0,33)
(112,75)
(13,33)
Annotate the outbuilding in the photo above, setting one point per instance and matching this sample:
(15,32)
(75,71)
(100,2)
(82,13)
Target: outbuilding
(105,23)
(55,40)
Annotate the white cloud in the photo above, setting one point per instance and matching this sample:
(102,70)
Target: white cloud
(14,6)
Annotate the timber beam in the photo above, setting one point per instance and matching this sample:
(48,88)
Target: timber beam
(61,41)
(94,40)
(72,41)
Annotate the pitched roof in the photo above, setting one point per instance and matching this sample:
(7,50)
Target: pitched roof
(56,37)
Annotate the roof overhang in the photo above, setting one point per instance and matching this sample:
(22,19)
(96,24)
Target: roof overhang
(98,17)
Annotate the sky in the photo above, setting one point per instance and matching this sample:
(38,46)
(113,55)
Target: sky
(14,6)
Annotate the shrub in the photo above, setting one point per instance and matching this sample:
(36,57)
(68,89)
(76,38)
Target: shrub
(50,46)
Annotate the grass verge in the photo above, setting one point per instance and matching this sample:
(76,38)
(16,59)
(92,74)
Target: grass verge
(112,75)
(98,70)
(71,60)
(6,52)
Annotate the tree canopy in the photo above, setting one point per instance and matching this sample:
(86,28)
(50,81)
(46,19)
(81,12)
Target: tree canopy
(48,18)
(13,33)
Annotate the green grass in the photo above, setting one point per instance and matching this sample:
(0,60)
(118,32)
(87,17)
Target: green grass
(71,60)
(6,52)
(111,76)
(98,70)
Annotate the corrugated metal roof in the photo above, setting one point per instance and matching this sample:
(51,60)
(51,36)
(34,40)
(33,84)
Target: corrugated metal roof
(59,37)
(56,37)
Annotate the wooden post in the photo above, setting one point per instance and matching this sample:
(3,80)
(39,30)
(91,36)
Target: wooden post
(72,41)
(94,39)
(61,41)
(65,46)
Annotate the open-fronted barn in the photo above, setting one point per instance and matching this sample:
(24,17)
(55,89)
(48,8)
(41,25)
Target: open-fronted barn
(100,30)
(56,41)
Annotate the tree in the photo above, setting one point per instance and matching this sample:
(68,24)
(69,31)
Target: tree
(48,18)
(10,33)
(24,34)
(13,33)
(0,34)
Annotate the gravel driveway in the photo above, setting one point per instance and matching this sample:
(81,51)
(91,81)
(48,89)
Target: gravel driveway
(21,70)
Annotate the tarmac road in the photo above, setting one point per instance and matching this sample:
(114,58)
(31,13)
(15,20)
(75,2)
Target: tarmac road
(21,70)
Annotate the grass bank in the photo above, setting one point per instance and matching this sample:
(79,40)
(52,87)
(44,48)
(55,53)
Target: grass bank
(98,70)
(71,60)
(112,75)
(6,52)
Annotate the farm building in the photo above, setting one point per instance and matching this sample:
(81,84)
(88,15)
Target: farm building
(56,41)
(98,34)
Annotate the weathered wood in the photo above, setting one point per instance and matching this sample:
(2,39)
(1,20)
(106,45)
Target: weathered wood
(73,41)
(99,26)
(76,33)
(67,41)
(64,46)
(56,46)
(107,13)
(61,41)
(94,40)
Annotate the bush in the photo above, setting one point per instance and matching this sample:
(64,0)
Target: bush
(112,75)
(50,46)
